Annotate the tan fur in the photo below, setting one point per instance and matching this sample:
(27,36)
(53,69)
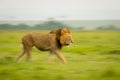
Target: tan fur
(52,42)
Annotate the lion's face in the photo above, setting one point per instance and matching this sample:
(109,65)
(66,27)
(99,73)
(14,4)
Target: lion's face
(66,37)
(63,35)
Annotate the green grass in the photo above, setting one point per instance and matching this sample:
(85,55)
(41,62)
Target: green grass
(95,55)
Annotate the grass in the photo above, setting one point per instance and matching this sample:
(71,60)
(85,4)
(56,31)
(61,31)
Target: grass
(95,55)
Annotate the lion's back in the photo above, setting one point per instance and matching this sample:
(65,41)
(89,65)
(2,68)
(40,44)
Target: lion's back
(41,41)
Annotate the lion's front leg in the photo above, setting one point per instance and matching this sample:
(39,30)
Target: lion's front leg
(60,56)
(51,57)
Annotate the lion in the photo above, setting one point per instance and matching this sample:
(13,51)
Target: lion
(52,42)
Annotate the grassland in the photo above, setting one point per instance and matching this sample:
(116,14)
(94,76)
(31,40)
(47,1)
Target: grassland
(95,55)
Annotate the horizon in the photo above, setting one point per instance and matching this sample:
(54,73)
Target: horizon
(89,24)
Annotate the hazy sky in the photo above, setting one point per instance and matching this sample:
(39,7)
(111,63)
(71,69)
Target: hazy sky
(59,9)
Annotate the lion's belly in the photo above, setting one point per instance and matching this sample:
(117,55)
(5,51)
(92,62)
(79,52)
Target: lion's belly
(42,48)
(43,45)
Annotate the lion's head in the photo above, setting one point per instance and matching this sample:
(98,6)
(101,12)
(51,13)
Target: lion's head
(63,36)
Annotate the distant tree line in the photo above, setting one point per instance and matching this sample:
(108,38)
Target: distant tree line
(22,26)
(108,27)
(50,25)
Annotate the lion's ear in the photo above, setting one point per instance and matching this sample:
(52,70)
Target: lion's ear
(64,30)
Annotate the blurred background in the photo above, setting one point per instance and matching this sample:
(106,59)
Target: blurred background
(95,27)
(49,14)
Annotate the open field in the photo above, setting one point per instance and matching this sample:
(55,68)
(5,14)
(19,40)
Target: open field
(95,55)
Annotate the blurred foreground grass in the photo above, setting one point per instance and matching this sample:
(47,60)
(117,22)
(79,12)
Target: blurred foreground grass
(95,55)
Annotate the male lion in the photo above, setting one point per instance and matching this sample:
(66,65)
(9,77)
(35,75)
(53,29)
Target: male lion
(52,42)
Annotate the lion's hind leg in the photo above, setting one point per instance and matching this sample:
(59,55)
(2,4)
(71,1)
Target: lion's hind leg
(28,51)
(21,54)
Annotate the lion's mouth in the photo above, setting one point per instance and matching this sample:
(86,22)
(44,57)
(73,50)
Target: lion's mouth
(68,44)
